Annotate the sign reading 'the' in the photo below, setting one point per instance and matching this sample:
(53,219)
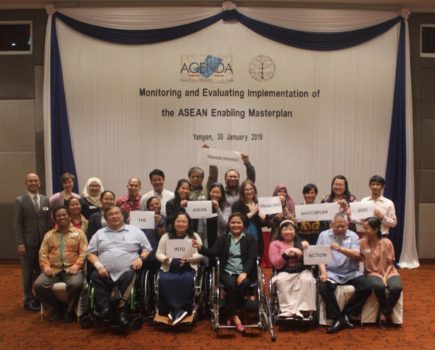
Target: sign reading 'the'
(199,209)
(142,219)
(317,254)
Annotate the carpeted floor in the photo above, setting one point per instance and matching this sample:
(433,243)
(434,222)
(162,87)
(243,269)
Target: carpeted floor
(20,329)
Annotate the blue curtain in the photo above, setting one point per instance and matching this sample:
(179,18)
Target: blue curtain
(63,160)
(395,186)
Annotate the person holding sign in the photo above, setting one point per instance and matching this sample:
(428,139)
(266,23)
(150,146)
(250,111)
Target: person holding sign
(377,253)
(154,235)
(248,205)
(179,202)
(384,208)
(342,269)
(212,228)
(176,278)
(309,230)
(341,195)
(288,211)
(294,281)
(237,252)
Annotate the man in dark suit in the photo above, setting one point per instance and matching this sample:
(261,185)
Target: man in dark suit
(32,221)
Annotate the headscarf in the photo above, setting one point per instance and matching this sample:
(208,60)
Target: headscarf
(289,204)
(93,200)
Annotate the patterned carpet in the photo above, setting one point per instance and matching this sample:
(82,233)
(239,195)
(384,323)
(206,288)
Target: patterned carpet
(21,329)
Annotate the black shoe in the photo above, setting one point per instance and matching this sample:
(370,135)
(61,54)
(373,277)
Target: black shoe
(336,326)
(179,316)
(69,317)
(122,320)
(32,305)
(56,315)
(103,314)
(346,322)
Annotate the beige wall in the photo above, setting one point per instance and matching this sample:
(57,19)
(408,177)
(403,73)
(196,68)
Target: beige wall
(21,130)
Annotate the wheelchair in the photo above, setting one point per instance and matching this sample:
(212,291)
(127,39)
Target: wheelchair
(199,300)
(307,320)
(257,311)
(89,317)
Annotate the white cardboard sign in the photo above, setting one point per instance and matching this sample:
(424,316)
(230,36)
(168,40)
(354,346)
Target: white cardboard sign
(361,210)
(316,212)
(142,219)
(270,205)
(179,248)
(220,158)
(199,209)
(317,254)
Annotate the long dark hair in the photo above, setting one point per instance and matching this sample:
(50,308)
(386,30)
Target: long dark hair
(171,231)
(346,192)
(179,184)
(375,224)
(223,199)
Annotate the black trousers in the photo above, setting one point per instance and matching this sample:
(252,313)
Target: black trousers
(235,293)
(31,270)
(104,286)
(363,289)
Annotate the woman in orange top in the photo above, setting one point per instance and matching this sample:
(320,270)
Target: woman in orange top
(377,252)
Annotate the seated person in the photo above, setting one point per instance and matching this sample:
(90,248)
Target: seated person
(377,252)
(114,251)
(237,252)
(342,269)
(295,284)
(176,278)
(61,257)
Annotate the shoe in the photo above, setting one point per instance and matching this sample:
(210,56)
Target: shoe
(240,328)
(179,317)
(336,326)
(122,319)
(69,317)
(171,318)
(346,322)
(230,322)
(103,314)
(32,305)
(56,315)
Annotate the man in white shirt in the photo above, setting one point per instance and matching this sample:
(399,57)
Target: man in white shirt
(157,179)
(384,208)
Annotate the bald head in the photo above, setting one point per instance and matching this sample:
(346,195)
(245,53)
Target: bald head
(32,183)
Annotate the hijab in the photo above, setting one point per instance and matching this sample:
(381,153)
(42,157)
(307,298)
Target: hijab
(93,200)
(289,204)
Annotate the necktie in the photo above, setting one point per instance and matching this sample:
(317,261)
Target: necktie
(35,199)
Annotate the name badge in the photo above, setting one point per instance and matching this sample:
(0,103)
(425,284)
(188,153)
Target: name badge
(92,207)
(45,209)
(367,251)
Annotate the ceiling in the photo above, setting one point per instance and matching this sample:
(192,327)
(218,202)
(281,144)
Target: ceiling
(412,5)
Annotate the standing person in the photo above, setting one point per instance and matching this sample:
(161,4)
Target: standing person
(197,191)
(179,202)
(157,179)
(237,253)
(61,257)
(232,179)
(98,219)
(248,206)
(211,228)
(377,253)
(310,230)
(131,200)
(341,195)
(288,211)
(90,200)
(384,208)
(31,221)
(60,199)
(342,269)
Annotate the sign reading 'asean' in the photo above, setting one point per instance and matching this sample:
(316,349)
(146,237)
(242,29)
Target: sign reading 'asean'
(217,68)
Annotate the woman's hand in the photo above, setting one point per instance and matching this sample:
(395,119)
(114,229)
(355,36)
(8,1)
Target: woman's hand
(323,276)
(215,204)
(305,244)
(241,277)
(166,261)
(183,261)
(183,203)
(195,244)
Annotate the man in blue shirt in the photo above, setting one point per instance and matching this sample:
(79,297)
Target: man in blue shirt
(114,251)
(342,269)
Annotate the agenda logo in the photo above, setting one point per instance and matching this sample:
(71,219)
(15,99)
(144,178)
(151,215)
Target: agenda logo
(206,67)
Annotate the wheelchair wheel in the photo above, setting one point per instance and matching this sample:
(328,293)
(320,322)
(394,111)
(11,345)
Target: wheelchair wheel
(147,293)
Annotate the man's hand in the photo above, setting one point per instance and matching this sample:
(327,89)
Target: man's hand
(73,270)
(241,278)
(103,272)
(21,250)
(335,246)
(137,264)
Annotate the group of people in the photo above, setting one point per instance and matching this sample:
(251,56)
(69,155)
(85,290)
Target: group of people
(57,235)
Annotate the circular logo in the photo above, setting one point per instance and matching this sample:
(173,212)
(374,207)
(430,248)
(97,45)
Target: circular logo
(262,68)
